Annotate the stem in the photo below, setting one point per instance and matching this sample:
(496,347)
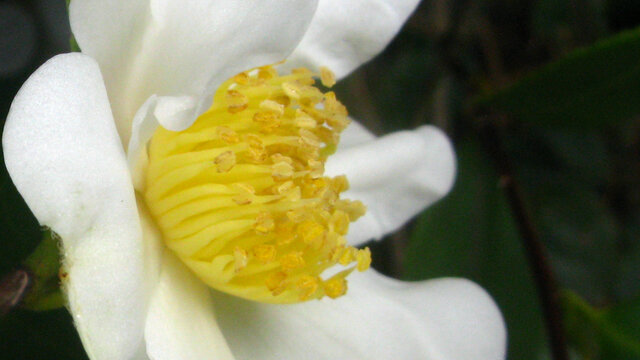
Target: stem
(537,257)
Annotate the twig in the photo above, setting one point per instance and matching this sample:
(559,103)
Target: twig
(537,257)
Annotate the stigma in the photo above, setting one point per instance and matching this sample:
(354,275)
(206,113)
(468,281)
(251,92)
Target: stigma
(241,196)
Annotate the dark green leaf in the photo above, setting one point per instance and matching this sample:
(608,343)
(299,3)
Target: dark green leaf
(590,87)
(471,234)
(612,333)
(44,264)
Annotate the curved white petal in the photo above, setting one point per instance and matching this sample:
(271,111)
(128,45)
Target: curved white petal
(172,112)
(177,48)
(346,34)
(355,134)
(379,318)
(64,156)
(395,176)
(181,324)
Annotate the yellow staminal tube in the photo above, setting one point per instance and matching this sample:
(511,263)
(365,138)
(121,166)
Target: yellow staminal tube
(241,197)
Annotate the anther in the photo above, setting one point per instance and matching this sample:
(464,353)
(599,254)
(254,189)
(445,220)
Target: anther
(335,288)
(327,77)
(240,259)
(264,253)
(363,257)
(225,161)
(236,101)
(275,221)
(292,261)
(264,223)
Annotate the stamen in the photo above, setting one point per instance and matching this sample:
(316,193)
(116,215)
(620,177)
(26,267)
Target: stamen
(237,101)
(335,288)
(327,77)
(225,161)
(241,196)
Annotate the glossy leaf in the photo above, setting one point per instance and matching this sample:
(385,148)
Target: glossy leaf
(590,87)
(44,265)
(472,234)
(612,333)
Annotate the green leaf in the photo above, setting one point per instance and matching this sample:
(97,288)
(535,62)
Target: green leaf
(622,331)
(73,44)
(44,264)
(612,333)
(589,87)
(471,234)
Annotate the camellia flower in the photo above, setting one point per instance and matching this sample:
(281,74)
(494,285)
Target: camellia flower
(152,217)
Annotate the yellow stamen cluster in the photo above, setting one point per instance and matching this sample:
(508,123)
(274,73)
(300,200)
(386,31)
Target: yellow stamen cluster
(241,198)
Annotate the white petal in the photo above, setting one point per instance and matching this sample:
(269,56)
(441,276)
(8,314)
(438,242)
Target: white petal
(172,112)
(176,48)
(346,34)
(395,176)
(379,318)
(355,134)
(64,156)
(181,324)
(142,129)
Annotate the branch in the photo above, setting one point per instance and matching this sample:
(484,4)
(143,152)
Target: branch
(537,257)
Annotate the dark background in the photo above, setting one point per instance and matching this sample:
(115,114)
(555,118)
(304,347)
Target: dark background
(581,185)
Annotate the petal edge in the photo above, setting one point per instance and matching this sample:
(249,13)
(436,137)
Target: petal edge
(381,318)
(396,176)
(64,155)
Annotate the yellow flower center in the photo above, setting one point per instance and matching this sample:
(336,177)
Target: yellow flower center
(240,197)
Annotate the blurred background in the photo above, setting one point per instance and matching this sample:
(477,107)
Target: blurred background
(541,99)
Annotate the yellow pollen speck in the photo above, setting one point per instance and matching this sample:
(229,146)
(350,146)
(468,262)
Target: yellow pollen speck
(242,78)
(327,77)
(244,193)
(282,170)
(268,120)
(285,187)
(312,233)
(266,73)
(292,90)
(340,222)
(264,223)
(237,101)
(364,259)
(316,167)
(335,288)
(277,157)
(308,285)
(348,256)
(297,215)
(340,183)
(309,138)
(292,261)
(305,121)
(240,259)
(225,161)
(264,253)
(273,106)
(276,282)
(227,135)
(241,196)
(302,71)
(332,104)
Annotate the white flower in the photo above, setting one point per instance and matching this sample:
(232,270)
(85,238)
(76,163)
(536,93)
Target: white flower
(160,61)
